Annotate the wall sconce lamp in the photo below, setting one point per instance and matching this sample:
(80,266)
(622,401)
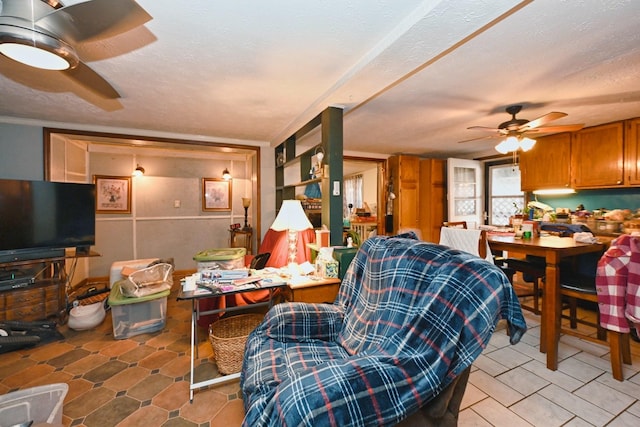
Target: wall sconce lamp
(138,171)
(226,174)
(316,169)
(246,202)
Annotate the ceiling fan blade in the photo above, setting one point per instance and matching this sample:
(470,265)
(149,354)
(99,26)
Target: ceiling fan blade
(94,19)
(485,129)
(556,129)
(542,120)
(93,81)
(481,138)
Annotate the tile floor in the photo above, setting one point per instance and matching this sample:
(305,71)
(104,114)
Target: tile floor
(144,380)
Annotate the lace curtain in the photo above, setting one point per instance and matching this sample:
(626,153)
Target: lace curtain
(352,193)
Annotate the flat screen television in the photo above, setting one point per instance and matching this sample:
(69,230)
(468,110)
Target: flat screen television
(39,219)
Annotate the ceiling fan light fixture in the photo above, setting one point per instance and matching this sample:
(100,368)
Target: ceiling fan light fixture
(36,49)
(508,145)
(527,144)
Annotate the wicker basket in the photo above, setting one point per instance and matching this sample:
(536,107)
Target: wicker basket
(228,337)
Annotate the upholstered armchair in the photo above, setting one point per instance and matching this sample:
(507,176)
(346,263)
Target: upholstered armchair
(396,345)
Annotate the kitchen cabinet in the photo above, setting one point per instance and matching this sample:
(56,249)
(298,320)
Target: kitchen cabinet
(404,172)
(293,166)
(597,157)
(632,147)
(547,164)
(432,198)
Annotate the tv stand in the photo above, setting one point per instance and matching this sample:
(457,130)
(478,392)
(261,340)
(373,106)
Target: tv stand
(40,292)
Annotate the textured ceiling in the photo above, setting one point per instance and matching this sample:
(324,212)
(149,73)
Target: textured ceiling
(411,75)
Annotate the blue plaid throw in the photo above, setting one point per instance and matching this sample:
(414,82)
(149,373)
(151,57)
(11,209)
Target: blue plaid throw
(410,316)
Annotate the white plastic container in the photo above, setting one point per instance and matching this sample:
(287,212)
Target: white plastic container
(220,259)
(42,404)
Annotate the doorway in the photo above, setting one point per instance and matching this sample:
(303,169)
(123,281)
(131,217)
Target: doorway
(371,173)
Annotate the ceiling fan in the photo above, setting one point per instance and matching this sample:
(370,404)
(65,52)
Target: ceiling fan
(44,33)
(515,132)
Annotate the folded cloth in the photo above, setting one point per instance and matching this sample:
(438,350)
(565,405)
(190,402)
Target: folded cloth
(584,237)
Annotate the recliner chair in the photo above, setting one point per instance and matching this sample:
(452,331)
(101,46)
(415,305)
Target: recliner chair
(409,320)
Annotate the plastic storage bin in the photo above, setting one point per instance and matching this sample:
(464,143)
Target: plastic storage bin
(42,404)
(135,316)
(220,259)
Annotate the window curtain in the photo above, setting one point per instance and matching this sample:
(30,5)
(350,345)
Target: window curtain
(352,193)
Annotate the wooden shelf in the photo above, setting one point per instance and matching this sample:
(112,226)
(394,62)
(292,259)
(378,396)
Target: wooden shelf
(296,166)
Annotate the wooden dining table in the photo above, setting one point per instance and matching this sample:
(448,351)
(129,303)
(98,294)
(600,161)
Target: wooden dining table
(553,249)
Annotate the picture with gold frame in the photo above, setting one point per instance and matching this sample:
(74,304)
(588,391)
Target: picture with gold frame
(113,194)
(216,194)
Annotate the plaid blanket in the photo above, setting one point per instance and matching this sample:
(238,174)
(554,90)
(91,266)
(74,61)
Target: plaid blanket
(410,316)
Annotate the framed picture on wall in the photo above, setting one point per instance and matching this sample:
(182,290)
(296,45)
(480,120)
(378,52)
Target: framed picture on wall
(216,194)
(113,194)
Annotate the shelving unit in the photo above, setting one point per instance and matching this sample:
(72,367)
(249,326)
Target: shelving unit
(287,156)
(36,298)
(41,293)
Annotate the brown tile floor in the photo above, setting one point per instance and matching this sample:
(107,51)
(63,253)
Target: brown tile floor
(143,380)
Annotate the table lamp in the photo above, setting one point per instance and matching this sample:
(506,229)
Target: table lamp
(293,219)
(246,202)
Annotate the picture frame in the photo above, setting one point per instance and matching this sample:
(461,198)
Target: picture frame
(113,194)
(216,195)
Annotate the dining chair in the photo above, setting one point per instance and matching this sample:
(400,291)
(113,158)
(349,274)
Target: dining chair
(578,283)
(455,224)
(532,270)
(468,240)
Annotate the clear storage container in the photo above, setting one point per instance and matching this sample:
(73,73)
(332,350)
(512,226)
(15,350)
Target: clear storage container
(135,316)
(39,405)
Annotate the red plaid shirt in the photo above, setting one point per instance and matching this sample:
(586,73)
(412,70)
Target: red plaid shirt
(618,284)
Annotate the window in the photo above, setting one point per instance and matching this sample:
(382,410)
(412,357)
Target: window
(504,192)
(352,194)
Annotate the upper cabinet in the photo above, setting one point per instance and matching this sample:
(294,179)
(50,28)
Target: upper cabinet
(632,144)
(598,156)
(548,164)
(605,156)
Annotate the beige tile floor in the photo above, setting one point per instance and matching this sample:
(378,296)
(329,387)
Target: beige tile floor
(144,380)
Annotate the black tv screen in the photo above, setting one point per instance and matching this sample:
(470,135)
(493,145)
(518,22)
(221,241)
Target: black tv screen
(39,215)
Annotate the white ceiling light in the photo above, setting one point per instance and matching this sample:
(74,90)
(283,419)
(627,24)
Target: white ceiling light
(36,49)
(24,41)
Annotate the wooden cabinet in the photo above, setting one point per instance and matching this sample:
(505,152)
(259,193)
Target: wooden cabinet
(597,157)
(432,198)
(404,172)
(547,164)
(632,151)
(36,299)
(242,238)
(36,302)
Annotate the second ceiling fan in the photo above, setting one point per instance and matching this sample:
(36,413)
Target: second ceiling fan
(523,128)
